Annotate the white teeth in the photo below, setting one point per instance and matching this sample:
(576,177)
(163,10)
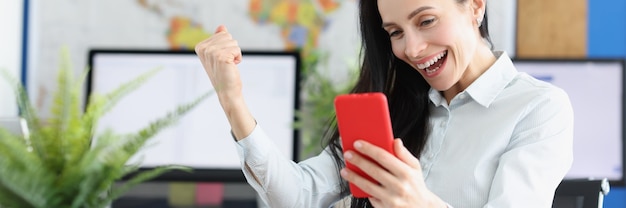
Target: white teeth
(431,71)
(431,62)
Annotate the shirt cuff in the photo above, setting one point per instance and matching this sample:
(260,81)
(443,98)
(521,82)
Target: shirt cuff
(254,149)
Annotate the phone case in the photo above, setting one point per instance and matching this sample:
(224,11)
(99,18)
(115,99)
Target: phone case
(363,116)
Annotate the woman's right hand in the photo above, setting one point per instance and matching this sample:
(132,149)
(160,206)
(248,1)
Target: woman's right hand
(220,55)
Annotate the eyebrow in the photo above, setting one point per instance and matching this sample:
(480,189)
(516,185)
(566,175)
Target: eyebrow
(411,15)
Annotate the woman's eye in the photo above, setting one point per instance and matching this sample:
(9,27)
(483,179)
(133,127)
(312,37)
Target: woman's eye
(427,22)
(394,33)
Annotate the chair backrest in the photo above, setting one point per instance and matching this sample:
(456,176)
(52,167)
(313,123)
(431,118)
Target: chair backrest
(581,193)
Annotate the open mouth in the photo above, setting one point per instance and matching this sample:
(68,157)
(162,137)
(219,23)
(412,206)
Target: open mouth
(432,66)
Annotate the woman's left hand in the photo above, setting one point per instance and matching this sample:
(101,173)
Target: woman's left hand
(400,178)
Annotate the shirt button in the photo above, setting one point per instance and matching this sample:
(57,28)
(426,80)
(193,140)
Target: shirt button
(442,124)
(431,155)
(462,96)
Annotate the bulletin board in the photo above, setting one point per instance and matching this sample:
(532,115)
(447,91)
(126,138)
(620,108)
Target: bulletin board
(551,29)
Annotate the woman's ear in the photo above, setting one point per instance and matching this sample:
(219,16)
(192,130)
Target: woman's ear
(478,10)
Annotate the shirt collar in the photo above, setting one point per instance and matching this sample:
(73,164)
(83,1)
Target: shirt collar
(487,86)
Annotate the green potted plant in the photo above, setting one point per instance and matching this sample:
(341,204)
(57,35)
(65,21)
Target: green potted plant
(317,109)
(63,162)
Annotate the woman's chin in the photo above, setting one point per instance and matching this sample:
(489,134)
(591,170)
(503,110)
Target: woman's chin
(439,85)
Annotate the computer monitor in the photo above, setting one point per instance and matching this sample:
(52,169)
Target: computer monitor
(596,91)
(201,139)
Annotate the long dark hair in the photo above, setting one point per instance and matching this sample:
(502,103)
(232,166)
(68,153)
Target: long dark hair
(405,88)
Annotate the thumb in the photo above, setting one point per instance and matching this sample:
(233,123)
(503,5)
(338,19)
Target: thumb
(404,155)
(221,28)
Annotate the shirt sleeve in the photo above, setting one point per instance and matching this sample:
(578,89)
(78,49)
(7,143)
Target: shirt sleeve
(538,156)
(280,182)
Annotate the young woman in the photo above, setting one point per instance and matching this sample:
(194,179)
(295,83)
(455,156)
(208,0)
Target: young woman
(473,132)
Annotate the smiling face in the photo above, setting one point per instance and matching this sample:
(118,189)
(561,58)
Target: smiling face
(439,38)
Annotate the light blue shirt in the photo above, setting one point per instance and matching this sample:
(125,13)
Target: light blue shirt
(506,141)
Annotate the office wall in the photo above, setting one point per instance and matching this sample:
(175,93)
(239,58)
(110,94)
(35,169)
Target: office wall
(11,12)
(502,18)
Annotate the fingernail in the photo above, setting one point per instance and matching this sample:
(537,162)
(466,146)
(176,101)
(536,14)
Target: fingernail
(347,155)
(343,172)
(357,144)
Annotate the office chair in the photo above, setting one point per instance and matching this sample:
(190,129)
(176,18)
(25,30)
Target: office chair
(581,193)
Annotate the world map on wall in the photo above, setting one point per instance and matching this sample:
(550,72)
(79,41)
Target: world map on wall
(303,25)
(183,32)
(300,22)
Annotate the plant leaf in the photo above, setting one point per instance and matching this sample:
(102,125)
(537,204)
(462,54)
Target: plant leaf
(29,113)
(16,161)
(101,104)
(134,142)
(64,109)
(63,163)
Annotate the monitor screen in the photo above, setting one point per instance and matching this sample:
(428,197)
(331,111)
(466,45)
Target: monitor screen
(201,139)
(596,91)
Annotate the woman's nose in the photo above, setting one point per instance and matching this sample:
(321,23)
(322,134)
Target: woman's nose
(414,45)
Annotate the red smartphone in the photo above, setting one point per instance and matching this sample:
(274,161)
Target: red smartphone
(363,116)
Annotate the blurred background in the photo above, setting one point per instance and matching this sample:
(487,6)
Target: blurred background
(323,32)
